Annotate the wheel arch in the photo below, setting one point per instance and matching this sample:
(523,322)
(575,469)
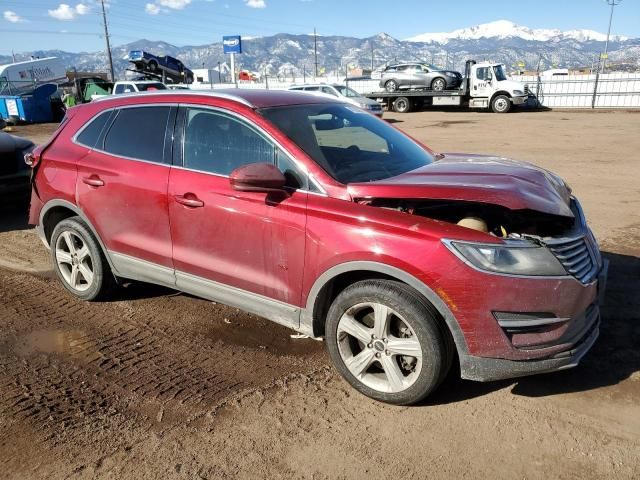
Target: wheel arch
(54,211)
(332,281)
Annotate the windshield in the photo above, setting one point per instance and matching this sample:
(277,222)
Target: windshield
(143,87)
(348,143)
(500,75)
(346,91)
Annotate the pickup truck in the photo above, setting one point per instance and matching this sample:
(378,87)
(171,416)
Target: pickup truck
(173,68)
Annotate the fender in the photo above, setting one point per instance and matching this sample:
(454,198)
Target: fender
(75,209)
(306,318)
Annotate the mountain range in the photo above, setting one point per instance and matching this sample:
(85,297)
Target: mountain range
(292,55)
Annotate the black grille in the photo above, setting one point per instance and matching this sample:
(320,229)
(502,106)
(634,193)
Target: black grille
(577,258)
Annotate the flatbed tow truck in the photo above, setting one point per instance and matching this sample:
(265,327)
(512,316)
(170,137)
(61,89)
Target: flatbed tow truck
(484,85)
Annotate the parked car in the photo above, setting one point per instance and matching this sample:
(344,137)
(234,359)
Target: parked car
(156,64)
(344,93)
(320,217)
(137,86)
(14,173)
(418,75)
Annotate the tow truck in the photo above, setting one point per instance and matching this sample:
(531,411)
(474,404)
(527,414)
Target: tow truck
(484,85)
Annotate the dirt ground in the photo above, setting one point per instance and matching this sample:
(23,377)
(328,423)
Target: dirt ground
(156,384)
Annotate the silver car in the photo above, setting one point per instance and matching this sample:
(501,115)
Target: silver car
(346,94)
(418,75)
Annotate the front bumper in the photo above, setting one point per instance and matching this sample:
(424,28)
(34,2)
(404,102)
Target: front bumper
(519,100)
(488,369)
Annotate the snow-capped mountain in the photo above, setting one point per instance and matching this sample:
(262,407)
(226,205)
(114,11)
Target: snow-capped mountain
(507,29)
(287,56)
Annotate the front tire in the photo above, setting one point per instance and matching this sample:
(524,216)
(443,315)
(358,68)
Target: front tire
(391,86)
(79,261)
(385,340)
(153,66)
(438,84)
(501,104)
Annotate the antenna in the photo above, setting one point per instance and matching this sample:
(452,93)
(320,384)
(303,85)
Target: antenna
(106,37)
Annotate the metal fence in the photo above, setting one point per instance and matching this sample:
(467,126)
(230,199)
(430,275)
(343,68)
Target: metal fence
(611,90)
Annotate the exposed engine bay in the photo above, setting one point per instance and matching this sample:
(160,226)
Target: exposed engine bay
(493,219)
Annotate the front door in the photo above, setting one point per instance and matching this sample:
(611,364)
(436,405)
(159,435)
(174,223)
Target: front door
(122,187)
(482,82)
(250,241)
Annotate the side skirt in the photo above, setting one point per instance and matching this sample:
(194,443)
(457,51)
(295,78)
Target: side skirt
(278,312)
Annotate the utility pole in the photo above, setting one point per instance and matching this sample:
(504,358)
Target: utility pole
(315,52)
(612,3)
(371,57)
(106,37)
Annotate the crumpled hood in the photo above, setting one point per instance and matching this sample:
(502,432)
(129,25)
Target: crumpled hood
(476,178)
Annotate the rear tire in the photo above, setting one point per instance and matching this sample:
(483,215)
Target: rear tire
(391,86)
(386,341)
(439,84)
(402,105)
(501,104)
(153,66)
(79,262)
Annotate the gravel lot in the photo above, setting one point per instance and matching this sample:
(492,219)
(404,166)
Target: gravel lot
(157,384)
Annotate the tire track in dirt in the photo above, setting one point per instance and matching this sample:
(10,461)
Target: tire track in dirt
(63,362)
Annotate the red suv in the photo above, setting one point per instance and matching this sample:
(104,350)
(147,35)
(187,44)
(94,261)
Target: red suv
(321,217)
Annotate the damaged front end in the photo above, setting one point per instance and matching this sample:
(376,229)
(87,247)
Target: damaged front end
(556,245)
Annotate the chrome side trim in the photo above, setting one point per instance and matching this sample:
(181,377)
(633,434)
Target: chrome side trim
(136,269)
(274,310)
(537,322)
(306,317)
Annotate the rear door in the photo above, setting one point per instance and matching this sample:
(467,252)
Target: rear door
(122,185)
(248,240)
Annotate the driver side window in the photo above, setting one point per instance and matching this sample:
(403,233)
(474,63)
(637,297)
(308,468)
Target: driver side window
(483,73)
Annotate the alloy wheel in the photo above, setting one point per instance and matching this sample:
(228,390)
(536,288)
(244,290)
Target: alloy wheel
(379,347)
(74,261)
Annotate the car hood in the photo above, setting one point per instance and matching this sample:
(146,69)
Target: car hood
(510,85)
(476,178)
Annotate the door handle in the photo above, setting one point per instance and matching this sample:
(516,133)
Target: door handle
(93,181)
(189,200)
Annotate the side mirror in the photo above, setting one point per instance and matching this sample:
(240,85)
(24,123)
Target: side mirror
(258,177)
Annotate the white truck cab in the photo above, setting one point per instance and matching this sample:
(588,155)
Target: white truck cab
(489,87)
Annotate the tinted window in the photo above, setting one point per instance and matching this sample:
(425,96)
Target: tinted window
(483,73)
(138,133)
(120,88)
(91,133)
(349,144)
(295,177)
(219,143)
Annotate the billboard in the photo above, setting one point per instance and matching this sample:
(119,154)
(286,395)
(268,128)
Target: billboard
(232,44)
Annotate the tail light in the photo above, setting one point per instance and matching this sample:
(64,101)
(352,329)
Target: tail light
(33,158)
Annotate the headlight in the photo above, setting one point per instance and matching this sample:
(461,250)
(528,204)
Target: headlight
(518,92)
(509,259)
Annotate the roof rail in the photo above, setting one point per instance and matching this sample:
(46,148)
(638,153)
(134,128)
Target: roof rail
(203,93)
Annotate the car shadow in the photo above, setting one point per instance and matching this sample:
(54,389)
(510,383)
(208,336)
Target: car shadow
(613,359)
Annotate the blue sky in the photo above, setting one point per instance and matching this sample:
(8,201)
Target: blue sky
(75,25)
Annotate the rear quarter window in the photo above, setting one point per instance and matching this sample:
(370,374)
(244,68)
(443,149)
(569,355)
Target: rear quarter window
(90,134)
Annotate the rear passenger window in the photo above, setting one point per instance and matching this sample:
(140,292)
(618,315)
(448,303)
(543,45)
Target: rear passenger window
(138,133)
(218,143)
(91,133)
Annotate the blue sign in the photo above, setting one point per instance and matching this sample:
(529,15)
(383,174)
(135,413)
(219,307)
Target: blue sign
(232,44)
